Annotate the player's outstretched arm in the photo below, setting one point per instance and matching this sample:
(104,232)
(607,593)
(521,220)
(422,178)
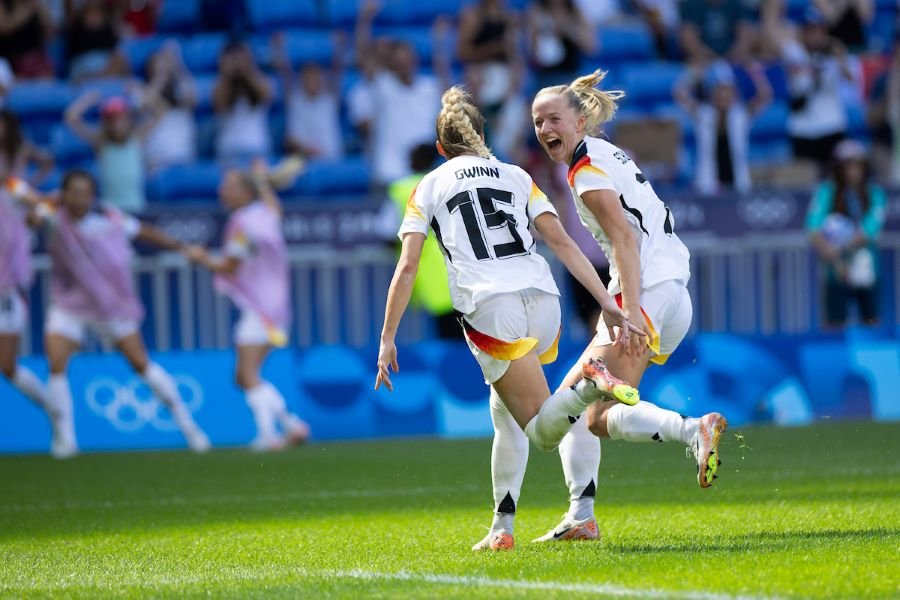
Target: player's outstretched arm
(398,297)
(565,248)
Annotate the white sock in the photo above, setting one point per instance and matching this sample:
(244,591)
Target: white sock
(29,384)
(646,422)
(288,421)
(509,458)
(558,413)
(165,388)
(60,399)
(580,456)
(264,414)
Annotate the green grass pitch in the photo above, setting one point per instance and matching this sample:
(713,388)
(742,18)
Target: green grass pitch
(811,512)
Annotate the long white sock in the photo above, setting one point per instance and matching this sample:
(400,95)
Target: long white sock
(60,399)
(509,458)
(264,414)
(165,388)
(580,456)
(288,421)
(558,413)
(29,384)
(646,422)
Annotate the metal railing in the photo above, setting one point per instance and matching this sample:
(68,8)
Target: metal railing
(756,285)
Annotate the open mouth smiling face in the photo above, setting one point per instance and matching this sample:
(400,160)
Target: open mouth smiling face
(556,126)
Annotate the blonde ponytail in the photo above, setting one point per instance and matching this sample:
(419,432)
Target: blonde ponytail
(460,126)
(595,105)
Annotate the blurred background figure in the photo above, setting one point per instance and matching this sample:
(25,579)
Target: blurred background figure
(93,31)
(171,90)
(312,102)
(884,119)
(722,122)
(847,20)
(844,220)
(118,144)
(26,29)
(558,38)
(241,99)
(430,290)
(404,101)
(715,29)
(17,153)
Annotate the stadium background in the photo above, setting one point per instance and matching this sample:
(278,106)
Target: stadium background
(757,351)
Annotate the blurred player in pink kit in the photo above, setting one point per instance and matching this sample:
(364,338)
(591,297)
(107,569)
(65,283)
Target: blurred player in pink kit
(15,278)
(92,289)
(253,273)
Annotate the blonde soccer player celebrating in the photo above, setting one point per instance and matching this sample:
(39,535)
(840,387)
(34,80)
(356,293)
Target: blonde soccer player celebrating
(253,273)
(649,270)
(481,211)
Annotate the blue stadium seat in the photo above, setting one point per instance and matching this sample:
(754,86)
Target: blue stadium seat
(271,15)
(341,12)
(322,178)
(302,46)
(30,99)
(771,123)
(625,43)
(179,16)
(857,125)
(770,152)
(426,11)
(107,86)
(204,85)
(188,182)
(650,84)
(418,37)
(201,52)
(68,149)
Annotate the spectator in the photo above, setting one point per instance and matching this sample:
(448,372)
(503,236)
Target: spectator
(312,104)
(117,143)
(224,15)
(6,81)
(92,40)
(139,17)
(847,20)
(487,47)
(884,118)
(510,119)
(776,30)
(359,96)
(25,30)
(405,103)
(16,153)
(662,17)
(241,99)
(430,290)
(715,29)
(558,37)
(171,88)
(845,217)
(816,65)
(600,12)
(722,124)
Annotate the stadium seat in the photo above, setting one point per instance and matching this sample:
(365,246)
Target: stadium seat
(770,152)
(621,43)
(68,149)
(302,46)
(771,123)
(30,99)
(343,177)
(178,16)
(201,52)
(650,84)
(189,182)
(139,50)
(269,15)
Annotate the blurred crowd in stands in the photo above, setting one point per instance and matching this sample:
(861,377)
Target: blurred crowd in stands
(157,96)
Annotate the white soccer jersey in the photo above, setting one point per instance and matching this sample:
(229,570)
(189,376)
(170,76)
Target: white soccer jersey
(599,165)
(481,212)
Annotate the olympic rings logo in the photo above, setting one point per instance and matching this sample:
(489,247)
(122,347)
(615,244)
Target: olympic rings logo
(132,406)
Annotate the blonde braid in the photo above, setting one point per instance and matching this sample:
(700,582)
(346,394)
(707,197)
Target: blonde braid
(456,116)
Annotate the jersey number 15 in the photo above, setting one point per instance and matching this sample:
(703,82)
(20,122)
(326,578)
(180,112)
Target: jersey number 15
(494,218)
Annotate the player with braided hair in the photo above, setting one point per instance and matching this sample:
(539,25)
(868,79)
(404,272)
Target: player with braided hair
(649,270)
(481,211)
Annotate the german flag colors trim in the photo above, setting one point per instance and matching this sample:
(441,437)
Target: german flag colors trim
(498,348)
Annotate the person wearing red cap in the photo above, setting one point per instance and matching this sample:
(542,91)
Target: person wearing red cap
(117,143)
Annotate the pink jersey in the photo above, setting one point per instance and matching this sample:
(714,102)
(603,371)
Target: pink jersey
(15,254)
(91,273)
(260,284)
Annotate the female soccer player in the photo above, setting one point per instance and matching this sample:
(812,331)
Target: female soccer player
(649,270)
(254,273)
(91,288)
(15,278)
(481,210)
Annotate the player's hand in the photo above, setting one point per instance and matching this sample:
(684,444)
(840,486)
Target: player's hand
(621,330)
(387,360)
(195,253)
